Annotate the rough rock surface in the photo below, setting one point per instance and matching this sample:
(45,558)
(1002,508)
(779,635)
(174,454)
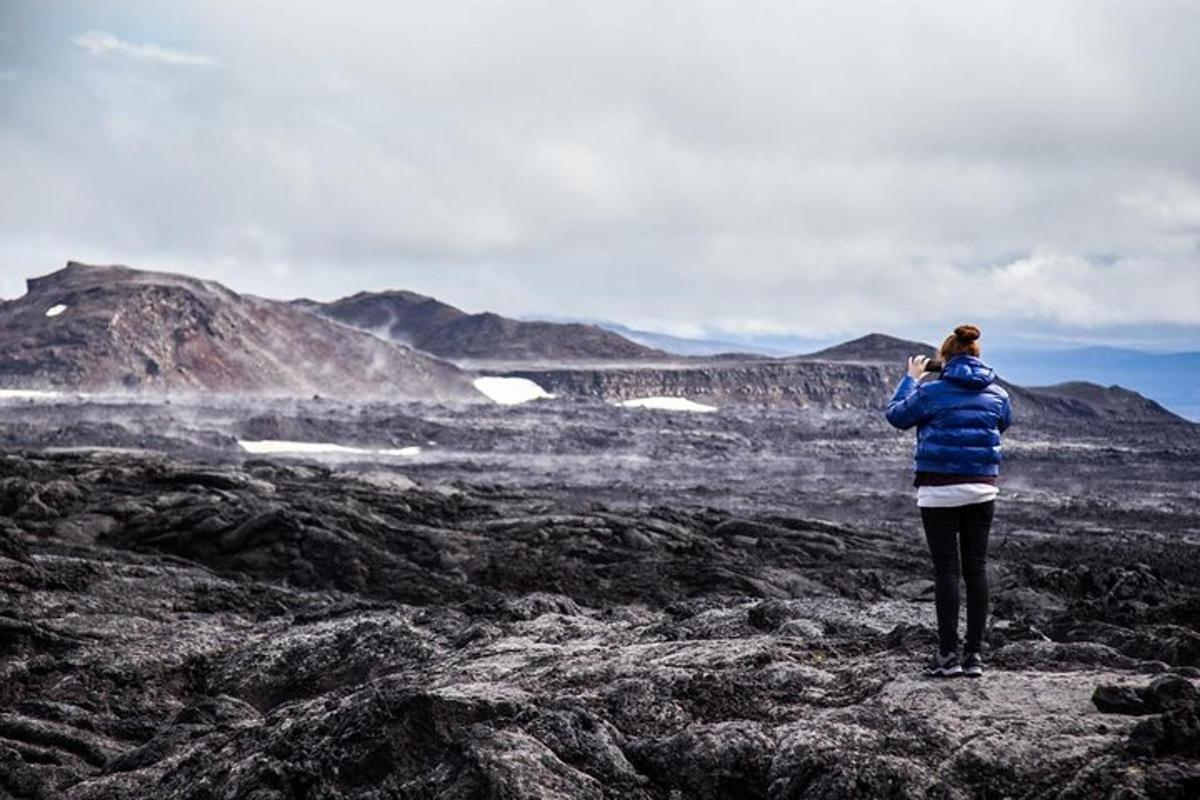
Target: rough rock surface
(116,327)
(565,600)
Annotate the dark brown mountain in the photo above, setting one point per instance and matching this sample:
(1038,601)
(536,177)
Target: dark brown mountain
(435,327)
(104,327)
(874,347)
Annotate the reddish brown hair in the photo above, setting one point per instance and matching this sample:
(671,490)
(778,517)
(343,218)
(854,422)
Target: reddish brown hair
(962,342)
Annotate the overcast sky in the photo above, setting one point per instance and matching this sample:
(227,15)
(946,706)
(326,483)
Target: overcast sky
(817,169)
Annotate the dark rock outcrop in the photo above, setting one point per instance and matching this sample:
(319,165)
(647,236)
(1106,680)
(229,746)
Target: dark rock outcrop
(1162,694)
(845,382)
(757,383)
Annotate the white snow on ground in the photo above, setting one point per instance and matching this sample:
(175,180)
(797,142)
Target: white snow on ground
(54,311)
(27,394)
(401,451)
(668,404)
(269,446)
(510,391)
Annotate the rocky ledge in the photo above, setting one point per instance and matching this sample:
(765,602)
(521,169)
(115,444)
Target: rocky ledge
(182,630)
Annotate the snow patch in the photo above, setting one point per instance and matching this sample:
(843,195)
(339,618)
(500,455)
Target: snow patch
(276,446)
(400,451)
(510,391)
(54,311)
(668,404)
(27,394)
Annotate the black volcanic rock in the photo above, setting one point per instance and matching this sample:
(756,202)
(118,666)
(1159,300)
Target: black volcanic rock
(443,330)
(110,327)
(1163,694)
(179,630)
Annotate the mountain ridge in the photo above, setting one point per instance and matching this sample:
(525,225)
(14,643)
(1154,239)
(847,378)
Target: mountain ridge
(115,327)
(438,328)
(871,348)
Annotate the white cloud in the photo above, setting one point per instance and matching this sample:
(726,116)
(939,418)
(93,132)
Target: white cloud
(100,43)
(8,75)
(763,167)
(1173,204)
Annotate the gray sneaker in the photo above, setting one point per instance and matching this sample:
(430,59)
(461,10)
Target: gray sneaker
(972,665)
(944,665)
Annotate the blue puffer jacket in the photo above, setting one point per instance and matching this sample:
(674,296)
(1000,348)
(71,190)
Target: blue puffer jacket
(959,418)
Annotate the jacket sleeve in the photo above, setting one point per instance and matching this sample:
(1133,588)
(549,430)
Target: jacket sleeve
(909,405)
(1005,415)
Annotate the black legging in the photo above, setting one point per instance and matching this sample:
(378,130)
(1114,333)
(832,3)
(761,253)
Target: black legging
(946,530)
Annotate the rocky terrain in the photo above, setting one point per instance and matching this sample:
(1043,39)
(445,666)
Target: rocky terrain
(779,383)
(101,328)
(810,382)
(570,599)
(435,327)
(423,595)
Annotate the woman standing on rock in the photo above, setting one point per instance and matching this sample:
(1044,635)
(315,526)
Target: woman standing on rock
(959,417)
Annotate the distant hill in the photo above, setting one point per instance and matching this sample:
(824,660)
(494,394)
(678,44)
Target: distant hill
(1084,400)
(435,327)
(770,345)
(872,348)
(1172,379)
(109,327)
(1062,397)
(675,345)
(688,347)
(857,374)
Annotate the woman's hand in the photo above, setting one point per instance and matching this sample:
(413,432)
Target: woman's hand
(916,366)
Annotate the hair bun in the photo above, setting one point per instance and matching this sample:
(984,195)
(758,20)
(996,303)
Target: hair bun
(966,333)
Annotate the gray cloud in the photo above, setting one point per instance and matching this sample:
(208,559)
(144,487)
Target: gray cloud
(755,168)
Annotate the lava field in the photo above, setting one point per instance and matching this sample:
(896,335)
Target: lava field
(569,599)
